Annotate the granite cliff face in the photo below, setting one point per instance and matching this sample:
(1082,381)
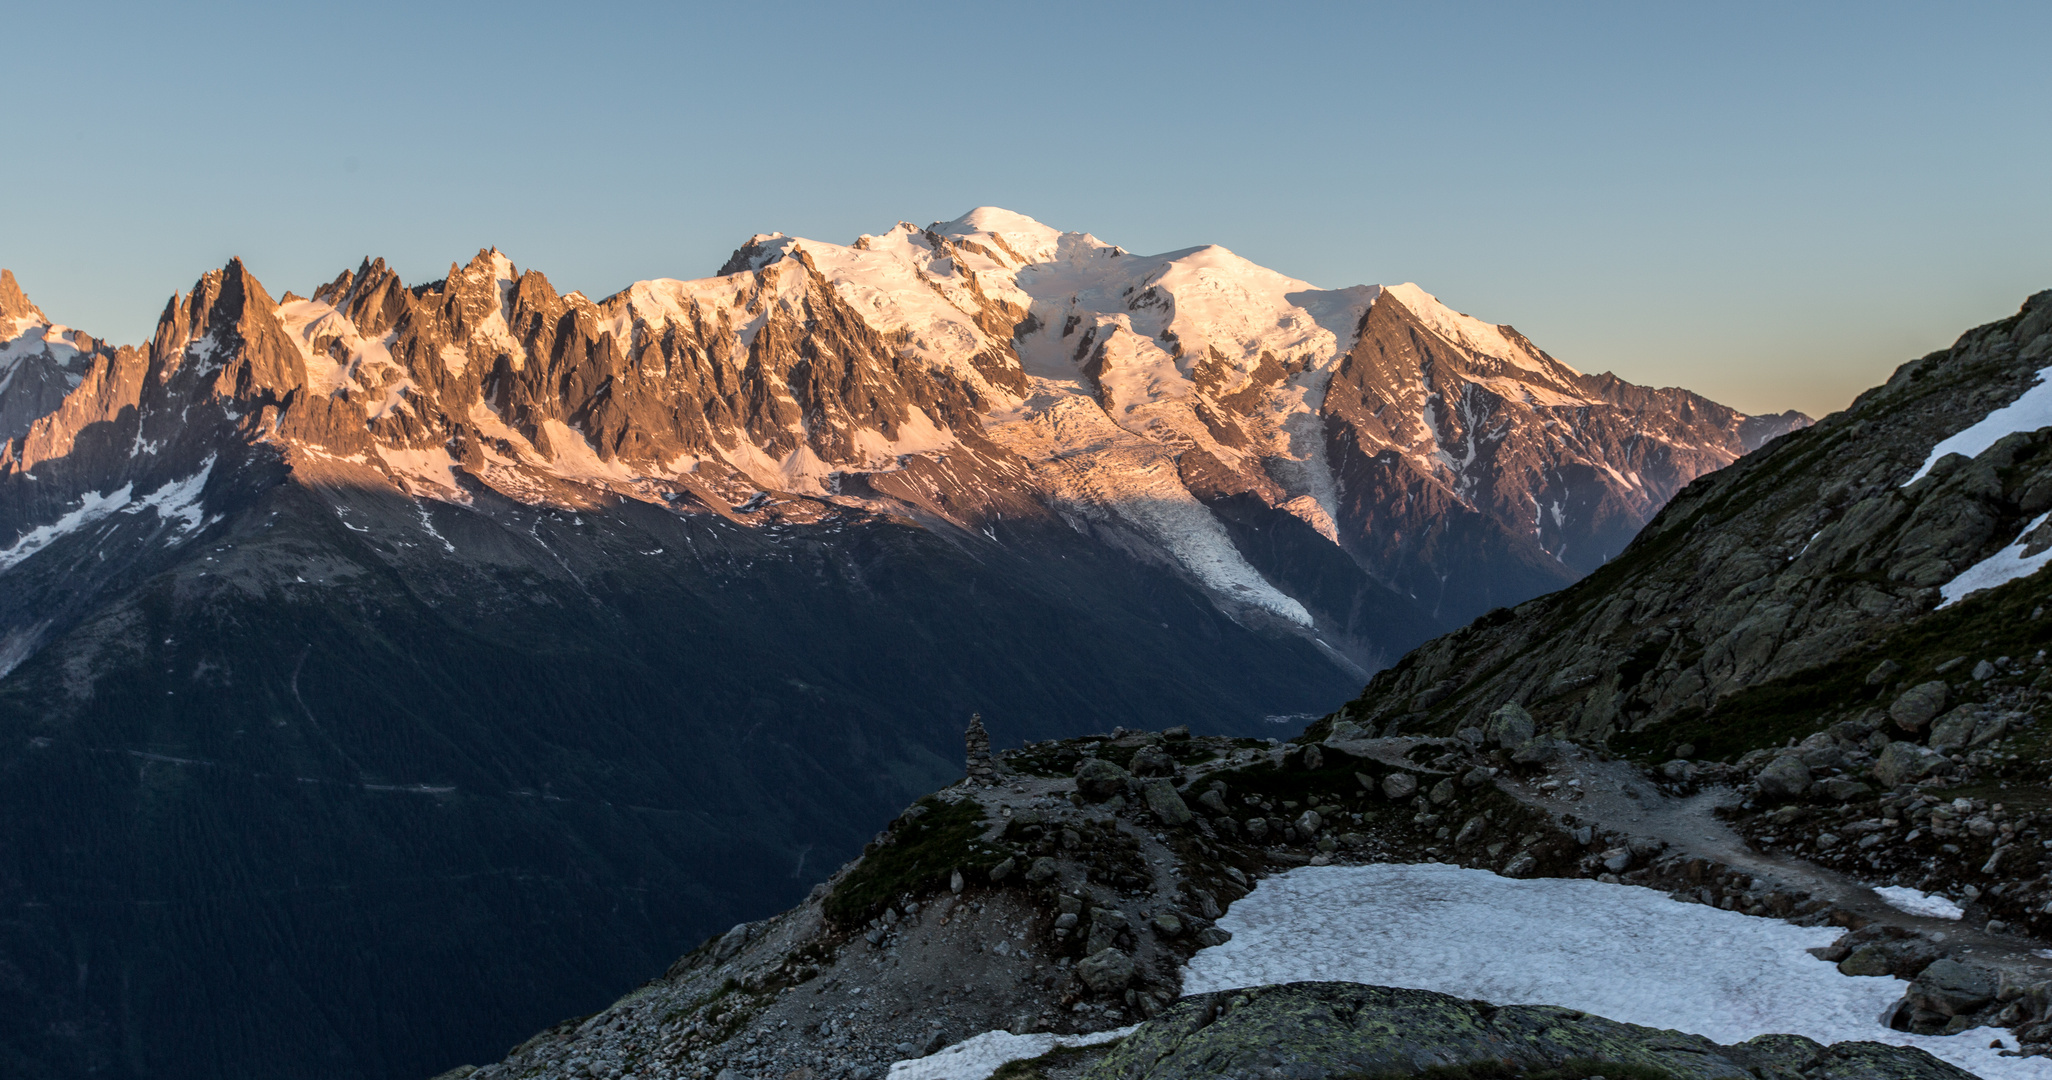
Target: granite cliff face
(362,649)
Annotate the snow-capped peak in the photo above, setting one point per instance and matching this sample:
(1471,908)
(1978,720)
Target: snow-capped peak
(1471,333)
(1017,235)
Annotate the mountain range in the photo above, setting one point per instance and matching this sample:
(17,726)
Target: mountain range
(387,671)
(1812,693)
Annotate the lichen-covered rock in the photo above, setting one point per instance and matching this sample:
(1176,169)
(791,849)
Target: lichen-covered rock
(1905,763)
(1106,970)
(1903,958)
(1151,761)
(1785,778)
(1318,1030)
(1918,705)
(1537,751)
(1167,805)
(1953,731)
(1952,988)
(1098,779)
(1510,726)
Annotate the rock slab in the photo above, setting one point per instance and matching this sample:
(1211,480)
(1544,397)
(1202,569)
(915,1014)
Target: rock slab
(1319,1030)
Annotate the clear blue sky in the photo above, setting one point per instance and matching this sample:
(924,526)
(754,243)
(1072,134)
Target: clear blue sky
(1771,204)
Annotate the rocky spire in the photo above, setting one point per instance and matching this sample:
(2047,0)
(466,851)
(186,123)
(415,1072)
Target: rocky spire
(13,303)
(977,742)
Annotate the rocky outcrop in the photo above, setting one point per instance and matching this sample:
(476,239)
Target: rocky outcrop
(1799,567)
(1320,1030)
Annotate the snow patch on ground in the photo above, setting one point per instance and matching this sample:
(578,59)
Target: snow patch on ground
(2012,562)
(976,1058)
(1623,952)
(1904,898)
(2028,413)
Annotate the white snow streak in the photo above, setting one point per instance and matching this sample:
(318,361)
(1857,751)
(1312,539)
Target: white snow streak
(91,508)
(178,500)
(1904,898)
(2000,568)
(2028,413)
(1619,951)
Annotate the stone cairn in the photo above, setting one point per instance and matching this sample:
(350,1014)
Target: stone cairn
(977,741)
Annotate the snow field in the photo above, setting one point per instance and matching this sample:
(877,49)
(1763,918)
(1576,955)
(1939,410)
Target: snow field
(1619,951)
(976,1058)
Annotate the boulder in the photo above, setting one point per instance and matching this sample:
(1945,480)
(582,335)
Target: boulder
(1347,731)
(1167,805)
(1537,751)
(1105,926)
(732,941)
(1151,761)
(1214,801)
(1952,988)
(1443,792)
(1168,925)
(1043,869)
(1991,727)
(1004,869)
(1820,751)
(1098,780)
(1785,778)
(1307,823)
(1398,786)
(1903,958)
(1918,705)
(1906,763)
(1952,732)
(1106,971)
(1510,726)
(1843,788)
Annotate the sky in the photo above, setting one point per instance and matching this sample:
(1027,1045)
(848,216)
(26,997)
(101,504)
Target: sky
(1771,204)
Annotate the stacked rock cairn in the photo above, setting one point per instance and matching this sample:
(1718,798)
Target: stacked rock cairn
(977,741)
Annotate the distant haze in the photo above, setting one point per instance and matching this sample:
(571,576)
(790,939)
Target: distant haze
(1771,206)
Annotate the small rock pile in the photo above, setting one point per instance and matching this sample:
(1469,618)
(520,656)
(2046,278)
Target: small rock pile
(976,746)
